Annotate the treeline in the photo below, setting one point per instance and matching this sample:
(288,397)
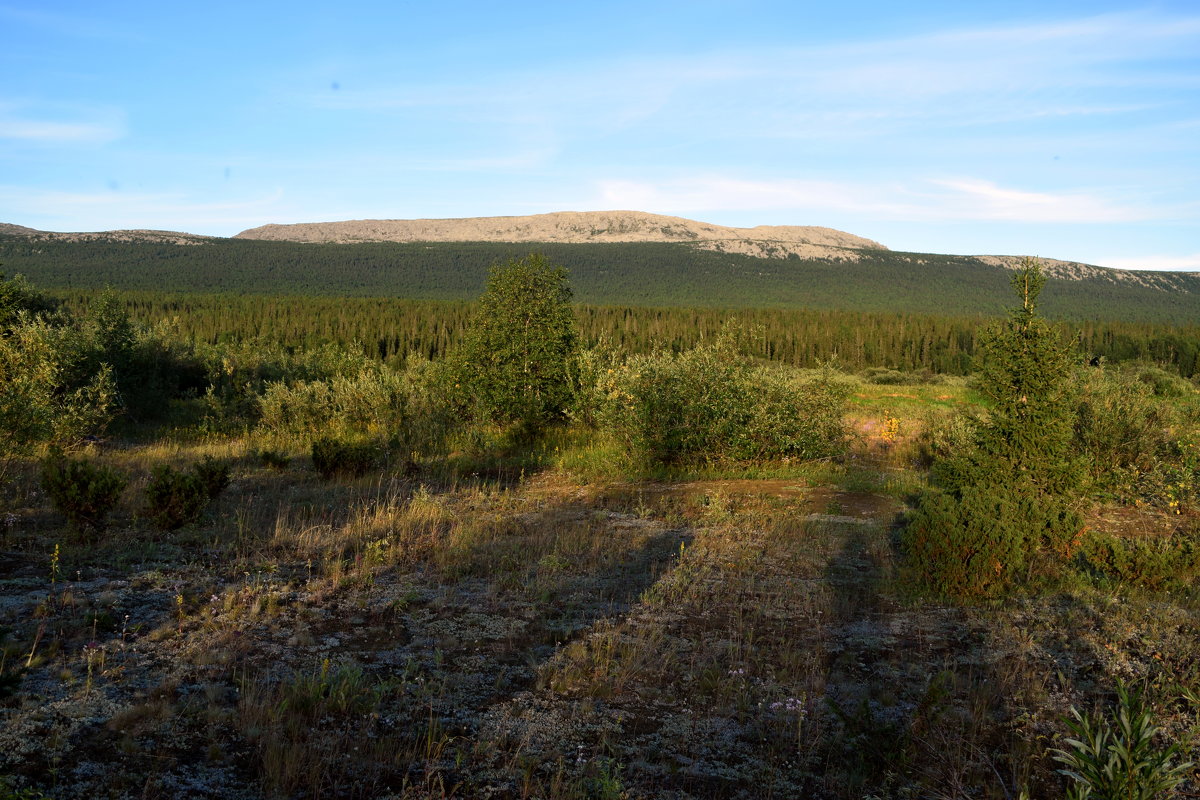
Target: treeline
(389,329)
(611,274)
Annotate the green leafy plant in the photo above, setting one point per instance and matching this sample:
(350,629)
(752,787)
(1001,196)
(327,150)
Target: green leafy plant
(174,498)
(1116,758)
(9,792)
(710,404)
(332,457)
(1153,563)
(83,491)
(213,475)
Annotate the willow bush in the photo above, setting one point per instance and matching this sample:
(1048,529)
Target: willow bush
(711,405)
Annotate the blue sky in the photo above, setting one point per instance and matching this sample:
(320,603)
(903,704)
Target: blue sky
(1066,130)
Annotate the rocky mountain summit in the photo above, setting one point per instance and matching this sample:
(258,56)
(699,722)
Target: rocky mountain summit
(771,241)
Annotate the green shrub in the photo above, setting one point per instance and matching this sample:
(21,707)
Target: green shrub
(1154,563)
(213,475)
(1118,758)
(982,541)
(44,398)
(174,498)
(408,408)
(83,491)
(239,373)
(272,459)
(333,457)
(885,376)
(1004,496)
(709,404)
(1165,384)
(1139,447)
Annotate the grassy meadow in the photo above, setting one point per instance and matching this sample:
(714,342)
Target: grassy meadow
(246,570)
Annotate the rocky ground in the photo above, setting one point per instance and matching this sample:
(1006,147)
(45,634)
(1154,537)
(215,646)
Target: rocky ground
(550,639)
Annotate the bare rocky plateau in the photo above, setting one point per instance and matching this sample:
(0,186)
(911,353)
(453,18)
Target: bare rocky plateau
(767,241)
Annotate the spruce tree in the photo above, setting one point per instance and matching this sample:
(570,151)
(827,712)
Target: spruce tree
(1006,498)
(1025,371)
(520,349)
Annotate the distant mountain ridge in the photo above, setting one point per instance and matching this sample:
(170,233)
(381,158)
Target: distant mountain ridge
(578,227)
(771,243)
(136,235)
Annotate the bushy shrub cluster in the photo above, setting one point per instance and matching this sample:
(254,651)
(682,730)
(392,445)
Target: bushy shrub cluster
(339,457)
(406,409)
(1137,431)
(1153,563)
(177,498)
(885,376)
(42,398)
(64,377)
(709,405)
(985,538)
(239,373)
(85,492)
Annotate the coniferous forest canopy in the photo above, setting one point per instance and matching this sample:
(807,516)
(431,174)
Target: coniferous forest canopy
(901,310)
(637,274)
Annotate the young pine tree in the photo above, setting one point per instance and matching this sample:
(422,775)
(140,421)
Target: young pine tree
(1006,497)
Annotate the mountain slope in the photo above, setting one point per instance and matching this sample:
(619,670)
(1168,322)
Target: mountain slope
(577,227)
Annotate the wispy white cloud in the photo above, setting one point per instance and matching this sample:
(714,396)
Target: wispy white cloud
(928,201)
(983,200)
(59,123)
(966,77)
(50,132)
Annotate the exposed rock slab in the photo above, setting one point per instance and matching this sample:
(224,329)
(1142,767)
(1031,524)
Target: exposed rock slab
(578,227)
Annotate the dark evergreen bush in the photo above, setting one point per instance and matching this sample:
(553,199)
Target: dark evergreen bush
(213,475)
(83,491)
(519,352)
(333,457)
(174,498)
(272,459)
(984,539)
(1153,563)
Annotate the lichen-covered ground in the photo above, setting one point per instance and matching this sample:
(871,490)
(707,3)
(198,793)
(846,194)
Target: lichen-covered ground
(547,639)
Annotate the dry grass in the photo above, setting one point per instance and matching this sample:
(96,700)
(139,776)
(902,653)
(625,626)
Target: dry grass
(378,637)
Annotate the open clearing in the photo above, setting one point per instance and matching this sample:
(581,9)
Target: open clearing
(547,638)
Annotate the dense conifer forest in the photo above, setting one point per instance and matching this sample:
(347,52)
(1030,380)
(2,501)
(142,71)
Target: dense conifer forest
(391,329)
(637,274)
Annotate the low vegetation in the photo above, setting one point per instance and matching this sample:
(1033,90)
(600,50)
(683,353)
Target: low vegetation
(687,572)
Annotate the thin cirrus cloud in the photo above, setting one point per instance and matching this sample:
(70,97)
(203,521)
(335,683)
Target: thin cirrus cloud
(49,132)
(929,200)
(989,74)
